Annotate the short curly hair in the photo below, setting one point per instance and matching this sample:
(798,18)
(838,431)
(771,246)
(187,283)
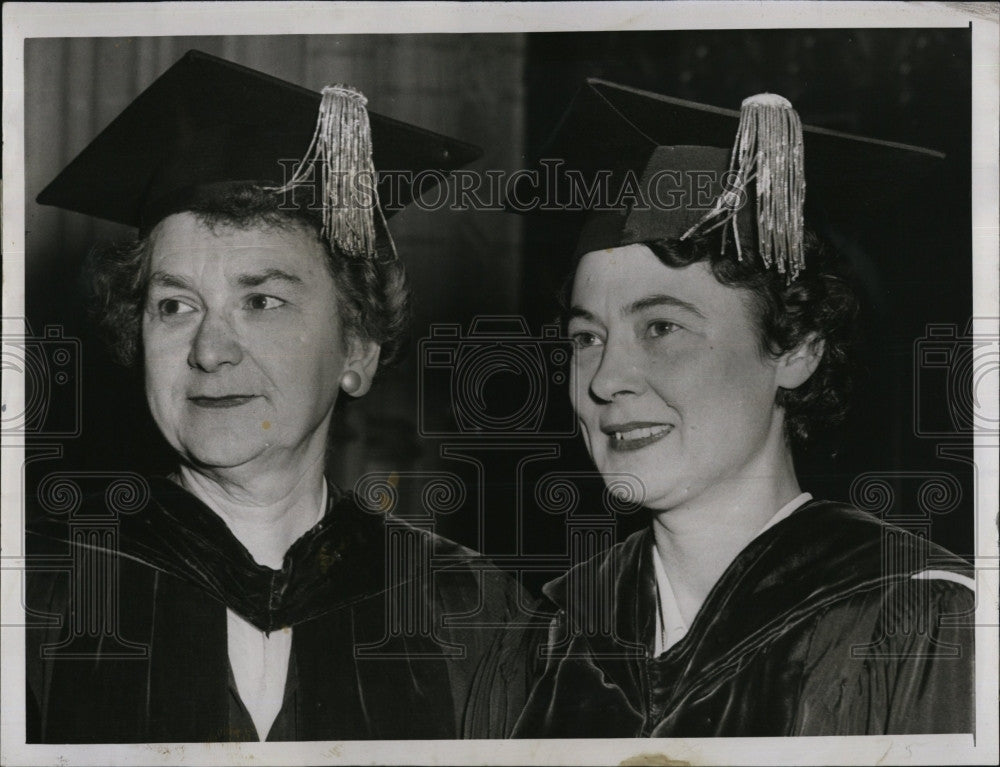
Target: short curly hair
(374,298)
(820,303)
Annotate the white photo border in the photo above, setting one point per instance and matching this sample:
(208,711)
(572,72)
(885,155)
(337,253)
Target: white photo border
(28,20)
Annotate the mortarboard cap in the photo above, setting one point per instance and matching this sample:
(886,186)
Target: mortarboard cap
(207,121)
(641,166)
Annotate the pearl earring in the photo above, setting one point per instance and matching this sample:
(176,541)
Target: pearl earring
(350,382)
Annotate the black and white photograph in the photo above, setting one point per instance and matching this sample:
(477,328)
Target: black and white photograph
(500,383)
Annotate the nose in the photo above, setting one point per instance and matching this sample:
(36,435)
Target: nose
(618,373)
(215,344)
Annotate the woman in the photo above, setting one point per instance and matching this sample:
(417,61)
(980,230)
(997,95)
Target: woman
(712,334)
(257,601)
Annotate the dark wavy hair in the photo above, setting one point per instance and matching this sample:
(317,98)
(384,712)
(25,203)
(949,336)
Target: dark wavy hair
(821,302)
(373,296)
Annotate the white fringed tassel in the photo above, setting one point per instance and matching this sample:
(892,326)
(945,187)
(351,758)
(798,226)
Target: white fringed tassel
(341,151)
(768,150)
(770,142)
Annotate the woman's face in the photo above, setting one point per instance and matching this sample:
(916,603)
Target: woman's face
(242,341)
(669,383)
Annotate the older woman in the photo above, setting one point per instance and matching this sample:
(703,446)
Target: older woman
(712,335)
(251,599)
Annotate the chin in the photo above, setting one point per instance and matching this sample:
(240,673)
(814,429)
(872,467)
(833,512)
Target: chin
(654,487)
(223,450)
(648,468)
(221,457)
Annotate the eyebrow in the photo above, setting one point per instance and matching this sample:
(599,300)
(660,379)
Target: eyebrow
(578,312)
(253,280)
(649,302)
(268,275)
(662,299)
(167,280)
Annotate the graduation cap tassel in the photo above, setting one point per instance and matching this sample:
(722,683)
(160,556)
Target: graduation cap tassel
(341,152)
(769,146)
(769,151)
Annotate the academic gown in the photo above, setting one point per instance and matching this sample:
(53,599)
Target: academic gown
(380,649)
(817,628)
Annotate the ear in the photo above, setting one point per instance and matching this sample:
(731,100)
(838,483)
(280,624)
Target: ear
(794,367)
(362,359)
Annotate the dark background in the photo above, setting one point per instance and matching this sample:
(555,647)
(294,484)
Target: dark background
(507,92)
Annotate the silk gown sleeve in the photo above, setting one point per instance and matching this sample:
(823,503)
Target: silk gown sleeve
(914,674)
(507,674)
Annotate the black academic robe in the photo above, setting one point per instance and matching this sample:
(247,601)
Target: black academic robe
(816,628)
(127,638)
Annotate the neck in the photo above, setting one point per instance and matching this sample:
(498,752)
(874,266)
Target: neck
(268,514)
(698,539)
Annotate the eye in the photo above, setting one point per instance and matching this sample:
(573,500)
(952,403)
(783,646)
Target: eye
(260,302)
(584,339)
(171,307)
(660,328)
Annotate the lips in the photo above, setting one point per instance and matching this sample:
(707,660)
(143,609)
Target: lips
(228,400)
(635,435)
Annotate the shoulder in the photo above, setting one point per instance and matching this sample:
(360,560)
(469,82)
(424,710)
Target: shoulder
(875,550)
(926,597)
(843,551)
(57,542)
(900,605)
(868,577)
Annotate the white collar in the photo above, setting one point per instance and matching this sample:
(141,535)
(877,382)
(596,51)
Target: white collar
(260,661)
